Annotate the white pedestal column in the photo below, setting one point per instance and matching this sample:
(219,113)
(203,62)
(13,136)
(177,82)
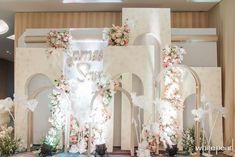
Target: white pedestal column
(126,113)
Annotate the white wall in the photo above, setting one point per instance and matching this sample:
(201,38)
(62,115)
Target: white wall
(42,112)
(137,87)
(199,54)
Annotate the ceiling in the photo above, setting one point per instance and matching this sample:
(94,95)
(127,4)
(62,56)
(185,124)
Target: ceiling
(9,7)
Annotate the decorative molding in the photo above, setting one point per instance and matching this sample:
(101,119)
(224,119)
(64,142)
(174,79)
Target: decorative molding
(194,38)
(174,38)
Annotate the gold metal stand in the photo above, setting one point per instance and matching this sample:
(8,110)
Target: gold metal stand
(198,95)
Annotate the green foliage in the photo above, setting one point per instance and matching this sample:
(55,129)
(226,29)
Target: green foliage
(52,139)
(188,140)
(8,144)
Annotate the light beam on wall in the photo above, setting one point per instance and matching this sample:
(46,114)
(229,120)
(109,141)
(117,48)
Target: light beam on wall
(92,1)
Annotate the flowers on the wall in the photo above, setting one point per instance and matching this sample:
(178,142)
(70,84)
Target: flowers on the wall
(118,35)
(59,39)
(8,143)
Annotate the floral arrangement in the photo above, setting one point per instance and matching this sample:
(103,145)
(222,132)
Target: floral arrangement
(58,110)
(84,138)
(119,35)
(150,137)
(99,116)
(74,130)
(103,82)
(63,84)
(172,80)
(8,144)
(168,127)
(172,99)
(52,138)
(172,55)
(59,39)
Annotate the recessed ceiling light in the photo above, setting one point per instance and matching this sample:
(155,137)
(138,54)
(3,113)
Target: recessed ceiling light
(3,27)
(92,1)
(8,52)
(12,37)
(205,1)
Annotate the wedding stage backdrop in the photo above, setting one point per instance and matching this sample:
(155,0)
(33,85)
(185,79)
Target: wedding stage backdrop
(84,62)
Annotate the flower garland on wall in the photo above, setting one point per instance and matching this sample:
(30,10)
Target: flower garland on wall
(119,35)
(172,97)
(58,107)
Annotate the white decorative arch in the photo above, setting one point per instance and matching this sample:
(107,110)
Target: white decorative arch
(148,39)
(138,60)
(26,67)
(38,87)
(131,136)
(149,20)
(158,83)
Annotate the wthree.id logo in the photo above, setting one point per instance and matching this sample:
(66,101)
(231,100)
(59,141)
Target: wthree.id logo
(214,148)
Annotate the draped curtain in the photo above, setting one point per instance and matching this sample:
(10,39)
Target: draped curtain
(222,17)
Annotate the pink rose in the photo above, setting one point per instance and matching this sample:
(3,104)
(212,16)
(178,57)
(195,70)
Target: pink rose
(118,41)
(73,139)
